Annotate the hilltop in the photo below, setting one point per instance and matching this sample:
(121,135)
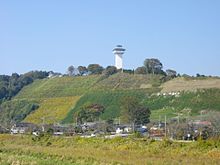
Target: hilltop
(56,100)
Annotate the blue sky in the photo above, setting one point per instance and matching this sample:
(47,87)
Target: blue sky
(53,34)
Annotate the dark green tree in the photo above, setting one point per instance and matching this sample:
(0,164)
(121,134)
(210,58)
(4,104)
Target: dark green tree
(3,92)
(171,73)
(90,113)
(141,70)
(110,70)
(70,70)
(82,70)
(153,66)
(95,69)
(134,112)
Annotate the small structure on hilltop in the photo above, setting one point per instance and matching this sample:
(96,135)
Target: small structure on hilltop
(118,51)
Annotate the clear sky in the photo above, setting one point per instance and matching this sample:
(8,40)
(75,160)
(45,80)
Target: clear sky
(54,34)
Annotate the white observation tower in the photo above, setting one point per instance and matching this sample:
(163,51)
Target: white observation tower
(118,51)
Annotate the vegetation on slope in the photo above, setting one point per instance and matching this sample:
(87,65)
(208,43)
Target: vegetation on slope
(58,150)
(187,104)
(110,99)
(130,81)
(108,91)
(11,85)
(58,87)
(52,110)
(16,110)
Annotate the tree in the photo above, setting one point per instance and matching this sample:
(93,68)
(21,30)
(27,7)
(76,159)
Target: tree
(36,74)
(153,66)
(171,73)
(70,70)
(134,112)
(141,70)
(82,70)
(90,113)
(3,92)
(95,69)
(142,115)
(110,70)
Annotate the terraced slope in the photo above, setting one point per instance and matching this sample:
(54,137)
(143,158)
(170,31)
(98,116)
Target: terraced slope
(52,110)
(129,81)
(58,87)
(110,99)
(55,96)
(59,98)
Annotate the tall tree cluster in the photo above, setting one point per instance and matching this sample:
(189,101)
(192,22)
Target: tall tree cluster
(91,69)
(154,66)
(134,112)
(11,85)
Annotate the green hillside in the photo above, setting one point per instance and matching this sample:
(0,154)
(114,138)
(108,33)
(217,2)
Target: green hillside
(187,104)
(52,110)
(16,110)
(58,87)
(110,99)
(58,99)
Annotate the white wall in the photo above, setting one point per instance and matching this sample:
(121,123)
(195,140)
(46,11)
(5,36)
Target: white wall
(118,61)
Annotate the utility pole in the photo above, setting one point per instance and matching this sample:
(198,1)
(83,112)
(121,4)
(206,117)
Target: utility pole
(159,121)
(165,126)
(43,120)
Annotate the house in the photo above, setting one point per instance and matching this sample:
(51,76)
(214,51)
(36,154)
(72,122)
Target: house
(157,130)
(53,74)
(22,128)
(123,129)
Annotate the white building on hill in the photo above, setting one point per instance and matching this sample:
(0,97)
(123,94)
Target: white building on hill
(118,51)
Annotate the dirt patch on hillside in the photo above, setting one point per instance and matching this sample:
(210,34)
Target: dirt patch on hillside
(181,84)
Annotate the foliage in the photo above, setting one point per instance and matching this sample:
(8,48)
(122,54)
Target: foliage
(90,113)
(153,66)
(70,70)
(95,69)
(110,70)
(82,70)
(15,111)
(11,85)
(22,149)
(171,73)
(110,99)
(141,70)
(133,111)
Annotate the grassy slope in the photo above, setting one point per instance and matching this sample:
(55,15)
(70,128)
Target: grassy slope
(207,99)
(58,87)
(108,98)
(110,91)
(50,92)
(55,96)
(52,110)
(129,81)
(59,95)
